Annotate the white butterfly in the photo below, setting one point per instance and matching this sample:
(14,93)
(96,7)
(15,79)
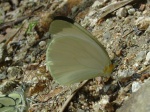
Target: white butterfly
(73,54)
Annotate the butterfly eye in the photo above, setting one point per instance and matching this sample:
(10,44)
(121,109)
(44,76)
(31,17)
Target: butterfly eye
(73,54)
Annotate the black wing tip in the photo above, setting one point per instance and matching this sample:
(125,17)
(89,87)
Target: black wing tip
(64,18)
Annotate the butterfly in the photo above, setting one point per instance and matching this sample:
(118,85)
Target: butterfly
(13,102)
(74,54)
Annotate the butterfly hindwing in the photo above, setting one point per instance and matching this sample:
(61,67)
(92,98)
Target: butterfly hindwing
(12,102)
(73,54)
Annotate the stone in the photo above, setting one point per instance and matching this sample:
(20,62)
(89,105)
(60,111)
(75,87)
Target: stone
(139,101)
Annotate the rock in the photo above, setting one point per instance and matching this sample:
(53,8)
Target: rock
(136,86)
(97,4)
(125,73)
(139,101)
(107,35)
(147,61)
(131,11)
(140,56)
(31,40)
(142,23)
(8,59)
(148,56)
(138,13)
(91,13)
(136,65)
(122,12)
(148,30)
(42,43)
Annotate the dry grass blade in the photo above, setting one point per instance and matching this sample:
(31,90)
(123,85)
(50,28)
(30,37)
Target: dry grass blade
(112,7)
(71,96)
(144,69)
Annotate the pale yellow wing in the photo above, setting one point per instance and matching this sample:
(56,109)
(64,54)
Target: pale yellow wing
(74,55)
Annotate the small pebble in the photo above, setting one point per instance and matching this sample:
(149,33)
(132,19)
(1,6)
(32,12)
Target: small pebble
(82,97)
(42,43)
(30,40)
(74,9)
(148,30)
(148,56)
(97,4)
(137,13)
(143,22)
(119,52)
(140,56)
(136,65)
(135,86)
(93,22)
(131,11)
(125,73)
(122,12)
(107,35)
(127,20)
(104,100)
(8,59)
(91,13)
